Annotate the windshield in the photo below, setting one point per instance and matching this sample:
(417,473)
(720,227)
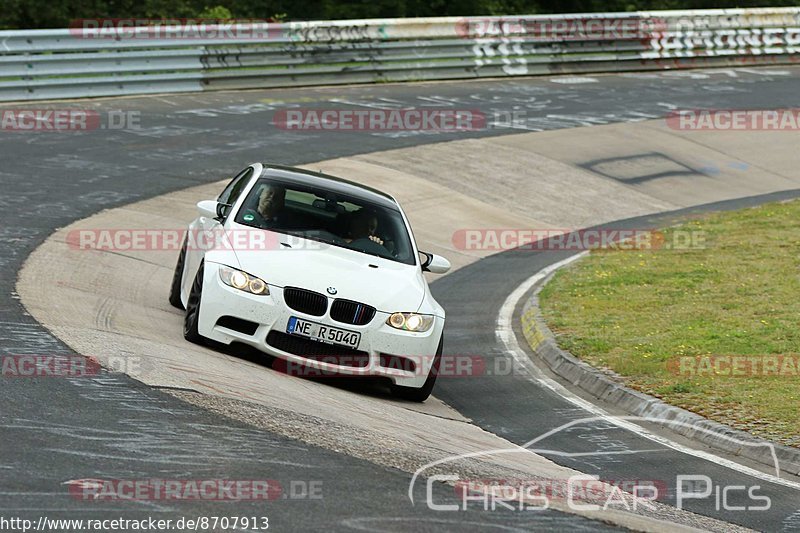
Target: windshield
(329,217)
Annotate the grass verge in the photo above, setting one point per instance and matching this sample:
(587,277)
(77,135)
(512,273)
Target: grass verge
(714,329)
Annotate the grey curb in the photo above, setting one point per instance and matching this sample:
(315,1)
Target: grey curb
(600,385)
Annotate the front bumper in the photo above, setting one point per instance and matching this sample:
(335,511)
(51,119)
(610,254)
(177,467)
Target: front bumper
(270,313)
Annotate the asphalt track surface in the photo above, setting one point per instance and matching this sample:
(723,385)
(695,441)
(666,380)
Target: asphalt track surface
(56,430)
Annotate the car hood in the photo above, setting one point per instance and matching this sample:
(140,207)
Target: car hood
(387,285)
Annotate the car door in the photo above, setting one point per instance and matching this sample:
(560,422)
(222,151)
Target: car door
(202,229)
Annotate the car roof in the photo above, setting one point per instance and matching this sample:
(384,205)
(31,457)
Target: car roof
(291,175)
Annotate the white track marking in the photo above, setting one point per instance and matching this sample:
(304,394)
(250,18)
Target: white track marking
(573,80)
(505,333)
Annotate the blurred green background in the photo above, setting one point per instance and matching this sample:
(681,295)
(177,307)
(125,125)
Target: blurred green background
(31,14)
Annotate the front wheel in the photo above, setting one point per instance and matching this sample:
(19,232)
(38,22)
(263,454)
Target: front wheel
(192,317)
(414,394)
(177,279)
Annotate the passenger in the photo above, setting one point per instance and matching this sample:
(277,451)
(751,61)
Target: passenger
(363,226)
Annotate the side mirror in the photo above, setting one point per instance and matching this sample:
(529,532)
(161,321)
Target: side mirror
(435,264)
(223,210)
(208,208)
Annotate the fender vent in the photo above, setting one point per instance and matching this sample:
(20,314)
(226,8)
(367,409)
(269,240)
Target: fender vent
(237,324)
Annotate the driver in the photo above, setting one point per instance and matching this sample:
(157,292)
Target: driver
(271,203)
(269,213)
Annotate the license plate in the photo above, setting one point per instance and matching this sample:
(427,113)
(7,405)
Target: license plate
(323,333)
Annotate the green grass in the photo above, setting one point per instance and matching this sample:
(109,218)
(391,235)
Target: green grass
(638,312)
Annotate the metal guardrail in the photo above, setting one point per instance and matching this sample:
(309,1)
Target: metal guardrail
(90,61)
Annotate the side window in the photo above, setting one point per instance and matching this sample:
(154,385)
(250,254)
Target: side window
(234,189)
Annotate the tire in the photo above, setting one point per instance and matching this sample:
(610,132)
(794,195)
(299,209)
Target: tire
(413,394)
(177,279)
(192,316)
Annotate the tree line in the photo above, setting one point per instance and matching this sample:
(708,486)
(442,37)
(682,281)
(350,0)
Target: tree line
(31,14)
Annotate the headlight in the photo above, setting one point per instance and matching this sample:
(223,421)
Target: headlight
(243,281)
(410,322)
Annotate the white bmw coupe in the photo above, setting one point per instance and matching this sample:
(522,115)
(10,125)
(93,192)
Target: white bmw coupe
(320,272)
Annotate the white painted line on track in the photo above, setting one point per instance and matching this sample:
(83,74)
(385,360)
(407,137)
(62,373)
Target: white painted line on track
(574,79)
